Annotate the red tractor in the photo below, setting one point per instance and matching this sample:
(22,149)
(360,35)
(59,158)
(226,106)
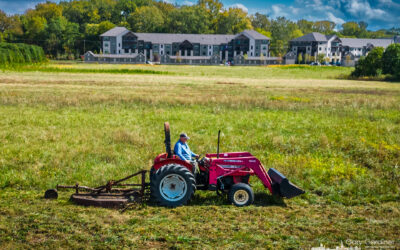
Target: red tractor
(173,181)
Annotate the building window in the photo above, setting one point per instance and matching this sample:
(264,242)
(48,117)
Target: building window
(359,49)
(106,45)
(251,47)
(161,46)
(320,48)
(119,45)
(251,54)
(119,51)
(209,53)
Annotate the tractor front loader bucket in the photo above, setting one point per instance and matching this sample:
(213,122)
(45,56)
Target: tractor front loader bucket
(282,186)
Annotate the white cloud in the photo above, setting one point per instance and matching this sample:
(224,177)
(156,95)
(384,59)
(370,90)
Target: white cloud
(362,9)
(337,20)
(188,3)
(277,10)
(239,6)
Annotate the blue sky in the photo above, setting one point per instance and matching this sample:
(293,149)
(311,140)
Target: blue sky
(378,14)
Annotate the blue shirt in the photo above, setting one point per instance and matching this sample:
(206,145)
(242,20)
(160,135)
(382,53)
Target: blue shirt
(183,151)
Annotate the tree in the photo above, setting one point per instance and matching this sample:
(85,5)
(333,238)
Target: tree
(391,60)
(282,30)
(146,19)
(350,29)
(321,58)
(233,21)
(126,8)
(10,26)
(5,22)
(260,21)
(371,65)
(307,58)
(300,58)
(325,27)
(188,19)
(48,10)
(34,27)
(213,9)
(305,26)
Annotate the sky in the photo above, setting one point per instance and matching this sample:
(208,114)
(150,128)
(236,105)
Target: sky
(378,14)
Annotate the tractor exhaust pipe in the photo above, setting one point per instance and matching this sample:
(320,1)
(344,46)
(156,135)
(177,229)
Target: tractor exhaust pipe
(219,133)
(282,186)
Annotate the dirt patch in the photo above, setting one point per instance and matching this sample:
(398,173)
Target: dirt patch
(228,83)
(378,92)
(61,82)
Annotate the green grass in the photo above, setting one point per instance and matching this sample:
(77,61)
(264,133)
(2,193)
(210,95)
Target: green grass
(47,68)
(338,139)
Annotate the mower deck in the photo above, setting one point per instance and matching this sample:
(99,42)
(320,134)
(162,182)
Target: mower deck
(114,194)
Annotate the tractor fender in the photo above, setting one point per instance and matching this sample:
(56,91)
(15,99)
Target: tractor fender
(169,161)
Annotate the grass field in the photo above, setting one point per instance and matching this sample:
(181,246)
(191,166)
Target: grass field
(65,123)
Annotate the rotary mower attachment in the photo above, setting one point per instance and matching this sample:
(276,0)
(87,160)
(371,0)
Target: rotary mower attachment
(114,194)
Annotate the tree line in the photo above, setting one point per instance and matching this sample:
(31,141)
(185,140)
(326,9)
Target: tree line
(67,29)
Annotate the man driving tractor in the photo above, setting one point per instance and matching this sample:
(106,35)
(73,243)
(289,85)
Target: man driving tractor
(182,149)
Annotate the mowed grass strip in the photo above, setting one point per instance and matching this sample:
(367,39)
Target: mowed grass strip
(44,68)
(337,139)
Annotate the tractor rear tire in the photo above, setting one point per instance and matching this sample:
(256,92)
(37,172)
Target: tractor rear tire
(241,194)
(172,185)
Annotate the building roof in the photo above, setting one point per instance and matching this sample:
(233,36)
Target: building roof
(254,34)
(311,37)
(115,31)
(361,42)
(167,38)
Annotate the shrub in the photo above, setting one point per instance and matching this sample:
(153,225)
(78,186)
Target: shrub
(391,60)
(371,65)
(20,53)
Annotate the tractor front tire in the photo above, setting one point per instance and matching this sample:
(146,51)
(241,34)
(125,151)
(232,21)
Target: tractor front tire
(241,194)
(172,185)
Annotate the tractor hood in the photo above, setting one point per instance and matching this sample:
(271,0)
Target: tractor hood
(282,186)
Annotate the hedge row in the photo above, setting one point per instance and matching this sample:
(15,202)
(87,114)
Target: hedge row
(20,53)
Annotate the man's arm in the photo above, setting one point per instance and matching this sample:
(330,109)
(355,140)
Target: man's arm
(178,151)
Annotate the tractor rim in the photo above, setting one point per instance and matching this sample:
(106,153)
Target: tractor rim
(241,197)
(173,187)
